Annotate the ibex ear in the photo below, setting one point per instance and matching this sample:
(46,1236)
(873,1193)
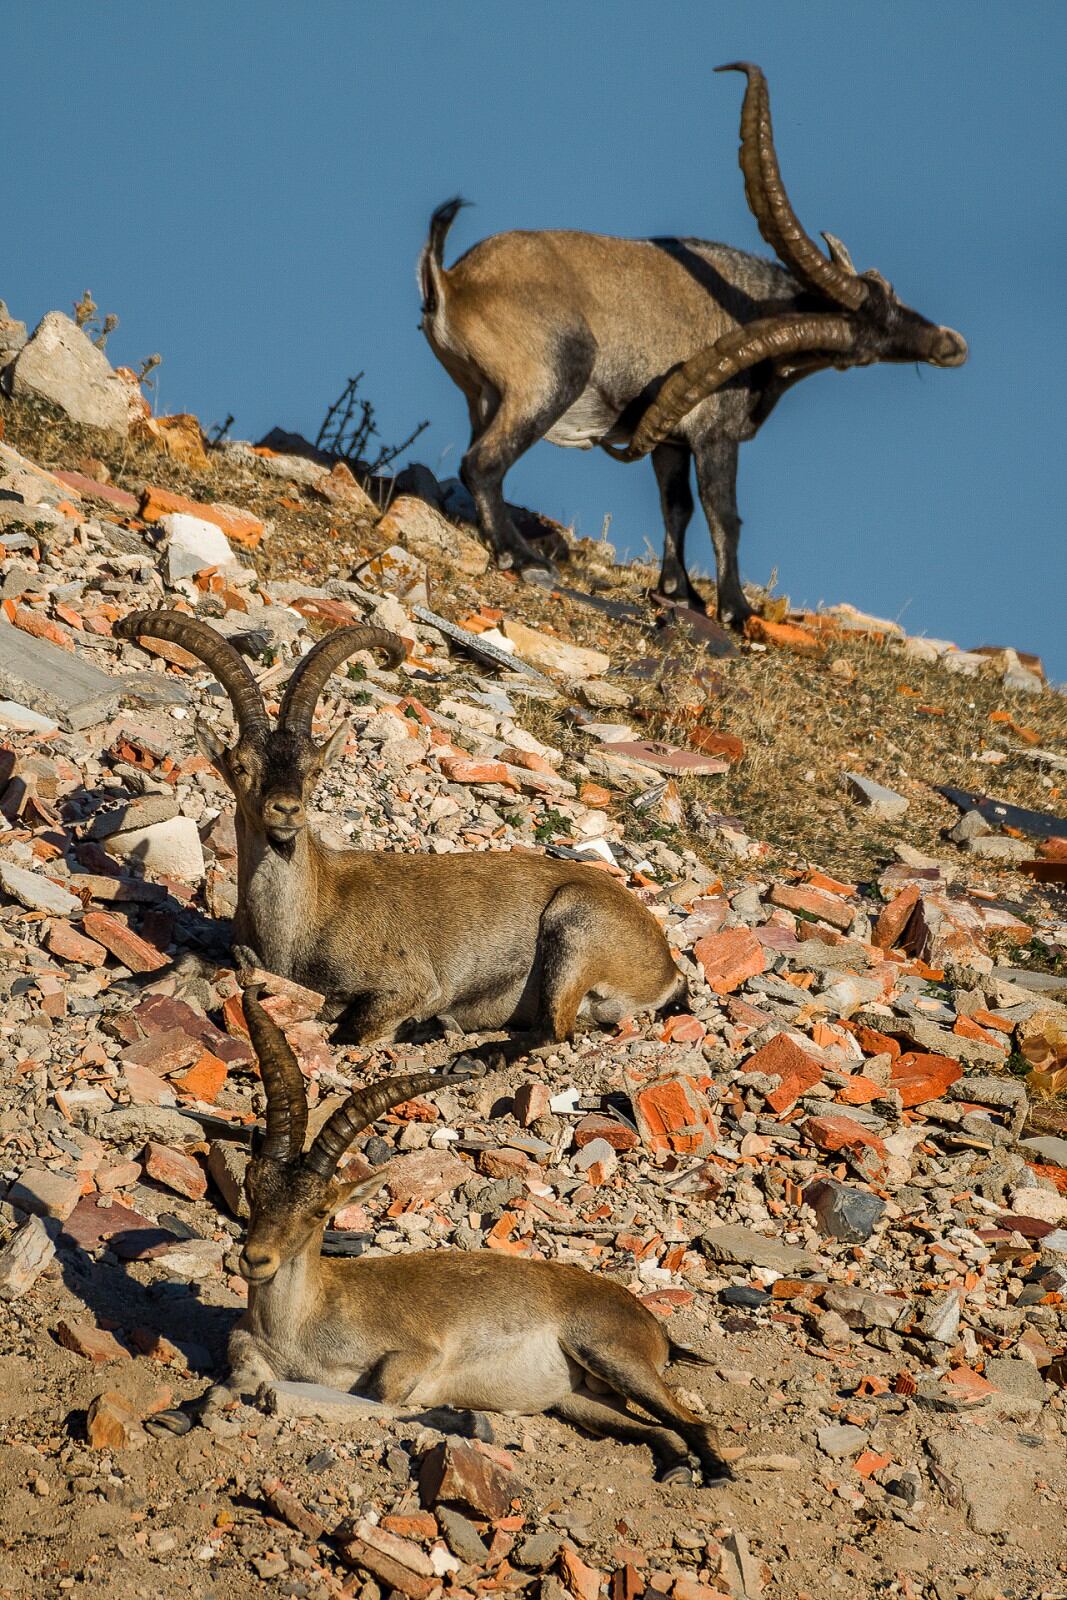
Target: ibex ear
(209,744)
(335,745)
(344,1194)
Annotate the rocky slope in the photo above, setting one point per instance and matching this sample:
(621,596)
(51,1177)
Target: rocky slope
(841,1173)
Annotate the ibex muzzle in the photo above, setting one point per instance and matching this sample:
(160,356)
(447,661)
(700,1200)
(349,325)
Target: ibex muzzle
(671,347)
(460,1328)
(485,941)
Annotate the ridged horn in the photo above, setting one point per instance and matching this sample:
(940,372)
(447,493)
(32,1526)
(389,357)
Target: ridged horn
(214,651)
(287,1107)
(310,675)
(769,203)
(768,338)
(363,1107)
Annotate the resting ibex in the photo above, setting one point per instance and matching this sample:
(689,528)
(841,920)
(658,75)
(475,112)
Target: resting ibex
(481,941)
(670,346)
(459,1328)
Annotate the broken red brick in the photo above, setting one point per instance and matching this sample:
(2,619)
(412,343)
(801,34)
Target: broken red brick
(784,636)
(238,526)
(894,918)
(683,1028)
(457,1475)
(918,1078)
(284,1504)
(781,1057)
(96,1344)
(204,1080)
(112,1424)
(121,941)
(870,1462)
(582,1580)
(504,1163)
(814,903)
(175,1170)
(673,1114)
(68,944)
(596,1126)
(833,1133)
(729,957)
(465,769)
(413,1525)
(531,1102)
(858,1091)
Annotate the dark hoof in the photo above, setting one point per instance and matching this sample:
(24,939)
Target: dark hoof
(735,616)
(690,601)
(169,1422)
(678,1472)
(480,1427)
(716,1475)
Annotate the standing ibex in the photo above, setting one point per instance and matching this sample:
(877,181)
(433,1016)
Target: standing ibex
(459,1328)
(670,346)
(481,941)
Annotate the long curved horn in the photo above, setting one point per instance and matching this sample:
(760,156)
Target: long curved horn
(287,1107)
(310,675)
(213,650)
(769,203)
(363,1107)
(765,339)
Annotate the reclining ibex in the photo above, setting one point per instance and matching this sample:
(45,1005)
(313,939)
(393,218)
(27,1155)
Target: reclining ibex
(671,346)
(459,1328)
(481,941)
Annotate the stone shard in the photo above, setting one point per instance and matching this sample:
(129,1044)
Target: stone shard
(36,892)
(60,364)
(23,1258)
(55,682)
(882,803)
(738,1246)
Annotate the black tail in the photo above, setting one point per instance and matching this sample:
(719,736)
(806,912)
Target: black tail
(433,250)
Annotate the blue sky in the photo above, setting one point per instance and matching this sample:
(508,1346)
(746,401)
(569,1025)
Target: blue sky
(247,185)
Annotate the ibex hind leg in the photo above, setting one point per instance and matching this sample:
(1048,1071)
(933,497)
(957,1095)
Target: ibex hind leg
(516,424)
(634,1378)
(607,1418)
(569,927)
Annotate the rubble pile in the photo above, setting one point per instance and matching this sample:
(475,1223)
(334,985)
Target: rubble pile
(840,1172)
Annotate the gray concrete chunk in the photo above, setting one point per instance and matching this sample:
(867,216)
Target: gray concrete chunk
(59,363)
(741,1247)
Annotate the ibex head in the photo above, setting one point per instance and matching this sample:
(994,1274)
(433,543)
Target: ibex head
(272,771)
(292,1193)
(860,319)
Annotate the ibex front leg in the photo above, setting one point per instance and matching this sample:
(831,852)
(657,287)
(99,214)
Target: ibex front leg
(716,461)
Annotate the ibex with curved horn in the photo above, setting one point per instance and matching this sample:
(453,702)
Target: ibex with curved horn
(468,1329)
(482,941)
(671,347)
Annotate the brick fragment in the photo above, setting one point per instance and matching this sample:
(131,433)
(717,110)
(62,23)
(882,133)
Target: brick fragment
(781,1057)
(121,941)
(790,636)
(175,1170)
(833,1133)
(814,903)
(413,1525)
(918,1078)
(463,1477)
(582,1580)
(204,1080)
(95,1344)
(673,1114)
(465,769)
(112,1424)
(504,1163)
(239,526)
(173,1050)
(894,918)
(729,957)
(284,1504)
(68,944)
(531,1102)
(610,1129)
